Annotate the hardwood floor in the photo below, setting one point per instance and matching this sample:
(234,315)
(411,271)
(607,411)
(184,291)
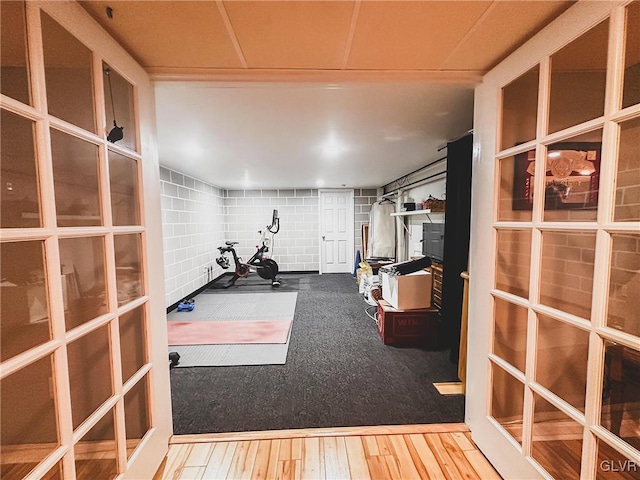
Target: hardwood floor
(443,452)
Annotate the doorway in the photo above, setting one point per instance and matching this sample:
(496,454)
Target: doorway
(336,215)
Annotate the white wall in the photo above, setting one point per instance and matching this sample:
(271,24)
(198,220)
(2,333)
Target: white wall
(192,229)
(296,245)
(198,217)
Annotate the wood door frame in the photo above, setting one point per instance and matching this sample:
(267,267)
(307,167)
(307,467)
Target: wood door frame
(510,458)
(351,220)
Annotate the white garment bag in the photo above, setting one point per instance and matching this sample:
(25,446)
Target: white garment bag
(382,231)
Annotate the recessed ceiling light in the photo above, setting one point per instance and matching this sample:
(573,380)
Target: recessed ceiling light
(319,183)
(553,154)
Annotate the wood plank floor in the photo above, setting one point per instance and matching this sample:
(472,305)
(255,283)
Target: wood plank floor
(444,452)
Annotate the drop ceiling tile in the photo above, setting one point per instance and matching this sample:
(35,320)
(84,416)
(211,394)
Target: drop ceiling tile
(410,35)
(292,34)
(506,26)
(169,33)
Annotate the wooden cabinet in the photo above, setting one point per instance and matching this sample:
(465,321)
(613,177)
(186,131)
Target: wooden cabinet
(408,327)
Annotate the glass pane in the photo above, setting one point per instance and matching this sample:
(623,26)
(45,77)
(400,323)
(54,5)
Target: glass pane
(631,92)
(132,342)
(516,187)
(567,271)
(75,173)
(123,177)
(507,401)
(510,334)
(578,78)
(69,81)
(628,173)
(28,429)
(520,109)
(556,440)
(14,75)
(621,392)
(83,279)
(572,178)
(89,373)
(612,465)
(118,97)
(56,472)
(136,413)
(96,452)
(561,344)
(20,204)
(24,312)
(513,261)
(128,268)
(624,284)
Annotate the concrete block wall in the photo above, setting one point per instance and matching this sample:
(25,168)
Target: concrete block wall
(192,229)
(296,244)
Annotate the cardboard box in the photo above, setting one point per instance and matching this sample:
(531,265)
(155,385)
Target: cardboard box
(407,292)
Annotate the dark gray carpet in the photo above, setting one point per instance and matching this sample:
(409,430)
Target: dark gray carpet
(338,373)
(253,283)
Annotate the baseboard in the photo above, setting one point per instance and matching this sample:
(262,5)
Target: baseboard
(299,272)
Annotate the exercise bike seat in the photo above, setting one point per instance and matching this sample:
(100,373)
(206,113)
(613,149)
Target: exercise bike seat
(230,244)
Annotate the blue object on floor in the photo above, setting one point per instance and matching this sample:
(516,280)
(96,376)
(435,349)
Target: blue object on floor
(187,305)
(358,260)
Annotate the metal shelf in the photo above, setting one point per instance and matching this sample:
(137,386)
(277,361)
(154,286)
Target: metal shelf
(412,212)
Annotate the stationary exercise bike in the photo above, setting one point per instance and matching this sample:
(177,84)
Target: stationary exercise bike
(264,266)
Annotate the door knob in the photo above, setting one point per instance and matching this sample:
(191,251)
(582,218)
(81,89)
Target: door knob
(323,238)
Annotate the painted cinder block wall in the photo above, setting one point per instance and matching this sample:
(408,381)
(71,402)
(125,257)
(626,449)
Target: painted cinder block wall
(192,229)
(198,217)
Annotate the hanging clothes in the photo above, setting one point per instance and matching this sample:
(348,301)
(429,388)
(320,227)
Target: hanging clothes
(382,232)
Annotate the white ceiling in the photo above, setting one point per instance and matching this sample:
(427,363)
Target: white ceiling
(252,135)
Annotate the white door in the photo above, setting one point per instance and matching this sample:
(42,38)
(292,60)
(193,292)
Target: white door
(336,231)
(83,362)
(554,334)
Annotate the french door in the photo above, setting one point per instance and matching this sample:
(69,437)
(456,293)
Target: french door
(83,373)
(554,314)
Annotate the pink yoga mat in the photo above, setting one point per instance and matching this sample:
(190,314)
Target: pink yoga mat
(216,333)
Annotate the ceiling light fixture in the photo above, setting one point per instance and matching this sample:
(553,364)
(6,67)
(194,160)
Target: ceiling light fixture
(553,154)
(319,183)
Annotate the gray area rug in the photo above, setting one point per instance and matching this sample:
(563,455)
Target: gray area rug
(221,307)
(254,306)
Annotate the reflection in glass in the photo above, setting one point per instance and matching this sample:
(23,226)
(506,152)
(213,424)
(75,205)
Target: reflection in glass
(612,465)
(136,414)
(572,179)
(89,373)
(75,173)
(69,82)
(620,412)
(20,205)
(96,453)
(565,346)
(121,104)
(83,279)
(132,342)
(566,282)
(556,440)
(631,91)
(123,178)
(628,173)
(128,268)
(513,261)
(516,187)
(507,401)
(578,78)
(510,333)
(14,75)
(520,109)
(24,313)
(624,283)
(28,431)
